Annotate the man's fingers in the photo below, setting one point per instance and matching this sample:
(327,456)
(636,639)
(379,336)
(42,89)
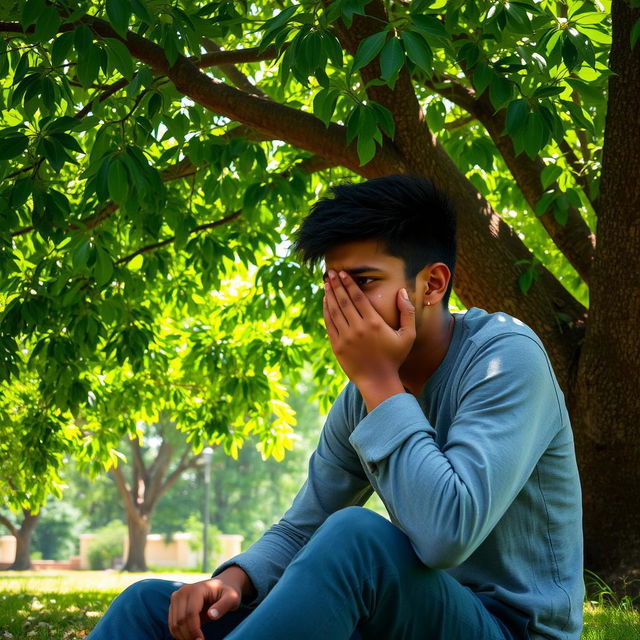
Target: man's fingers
(328,321)
(407,314)
(229,601)
(334,309)
(347,293)
(360,302)
(184,614)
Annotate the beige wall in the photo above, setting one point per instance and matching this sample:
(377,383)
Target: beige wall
(7,549)
(176,553)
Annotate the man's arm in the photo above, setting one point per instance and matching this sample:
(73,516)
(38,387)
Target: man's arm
(448,497)
(335,480)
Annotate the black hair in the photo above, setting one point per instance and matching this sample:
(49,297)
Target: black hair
(415,221)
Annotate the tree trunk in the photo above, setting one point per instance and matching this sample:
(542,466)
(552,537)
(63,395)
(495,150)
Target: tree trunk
(606,411)
(22,561)
(138,530)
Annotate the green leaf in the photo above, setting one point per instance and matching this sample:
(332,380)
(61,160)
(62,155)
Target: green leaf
(119,14)
(517,113)
(279,20)
(579,116)
(418,51)
(30,12)
(67,141)
(469,53)
(545,202)
(369,48)
(366,149)
(60,48)
(82,39)
(333,48)
(500,91)
(525,280)
(547,91)
(103,268)
(118,181)
(20,192)
(569,52)
(81,255)
(88,66)
(154,105)
(436,114)
(384,118)
(324,104)
(13,145)
(482,77)
(120,57)
(535,134)
(391,59)
(47,24)
(549,175)
(430,25)
(635,34)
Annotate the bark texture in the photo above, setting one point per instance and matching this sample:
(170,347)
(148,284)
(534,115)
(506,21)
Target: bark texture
(606,407)
(22,561)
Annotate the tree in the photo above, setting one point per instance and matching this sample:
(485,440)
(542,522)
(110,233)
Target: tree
(129,124)
(23,533)
(150,480)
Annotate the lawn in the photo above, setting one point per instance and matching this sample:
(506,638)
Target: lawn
(67,605)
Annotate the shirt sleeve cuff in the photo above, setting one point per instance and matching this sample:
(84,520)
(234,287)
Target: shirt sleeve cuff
(247,564)
(390,424)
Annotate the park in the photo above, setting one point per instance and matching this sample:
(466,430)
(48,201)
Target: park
(164,364)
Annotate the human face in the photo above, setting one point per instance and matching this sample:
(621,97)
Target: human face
(379,275)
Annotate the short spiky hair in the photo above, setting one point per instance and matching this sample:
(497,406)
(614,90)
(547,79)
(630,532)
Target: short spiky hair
(414,220)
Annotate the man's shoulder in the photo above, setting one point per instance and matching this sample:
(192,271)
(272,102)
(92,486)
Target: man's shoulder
(481,327)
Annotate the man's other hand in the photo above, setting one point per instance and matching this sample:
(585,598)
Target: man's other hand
(194,604)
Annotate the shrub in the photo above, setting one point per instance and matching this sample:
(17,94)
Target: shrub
(107,545)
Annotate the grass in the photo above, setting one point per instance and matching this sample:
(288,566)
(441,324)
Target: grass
(66,605)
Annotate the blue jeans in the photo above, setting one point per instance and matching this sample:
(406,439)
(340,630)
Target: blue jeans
(357,578)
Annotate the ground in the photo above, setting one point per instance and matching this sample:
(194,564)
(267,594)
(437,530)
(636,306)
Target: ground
(67,605)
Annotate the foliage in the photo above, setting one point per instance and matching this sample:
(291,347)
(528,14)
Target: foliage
(156,158)
(107,545)
(56,535)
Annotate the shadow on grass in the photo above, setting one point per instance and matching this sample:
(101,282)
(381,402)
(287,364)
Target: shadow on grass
(52,615)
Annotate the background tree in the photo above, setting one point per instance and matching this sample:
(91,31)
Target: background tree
(146,141)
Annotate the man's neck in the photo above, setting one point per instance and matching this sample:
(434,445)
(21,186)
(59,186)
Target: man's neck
(428,352)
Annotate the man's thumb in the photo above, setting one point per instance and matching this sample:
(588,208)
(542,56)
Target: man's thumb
(228,601)
(407,311)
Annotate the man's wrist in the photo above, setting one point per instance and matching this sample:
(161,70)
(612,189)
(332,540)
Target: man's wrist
(237,576)
(375,389)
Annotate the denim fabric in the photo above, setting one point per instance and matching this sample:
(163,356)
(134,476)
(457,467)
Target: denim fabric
(358,578)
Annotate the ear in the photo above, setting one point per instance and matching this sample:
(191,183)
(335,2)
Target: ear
(433,281)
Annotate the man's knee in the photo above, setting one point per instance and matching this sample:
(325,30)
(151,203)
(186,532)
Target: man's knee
(354,527)
(147,592)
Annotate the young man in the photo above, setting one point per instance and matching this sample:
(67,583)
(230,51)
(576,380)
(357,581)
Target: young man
(456,421)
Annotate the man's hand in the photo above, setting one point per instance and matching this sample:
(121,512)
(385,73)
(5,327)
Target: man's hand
(194,604)
(369,351)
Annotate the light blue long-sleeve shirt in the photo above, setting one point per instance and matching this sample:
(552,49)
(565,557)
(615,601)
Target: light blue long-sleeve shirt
(479,472)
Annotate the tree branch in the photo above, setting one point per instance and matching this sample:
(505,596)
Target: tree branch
(182,466)
(202,227)
(139,470)
(218,57)
(9,525)
(575,239)
(125,491)
(277,121)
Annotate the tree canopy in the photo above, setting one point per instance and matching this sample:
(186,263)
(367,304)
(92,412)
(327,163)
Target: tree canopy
(157,156)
